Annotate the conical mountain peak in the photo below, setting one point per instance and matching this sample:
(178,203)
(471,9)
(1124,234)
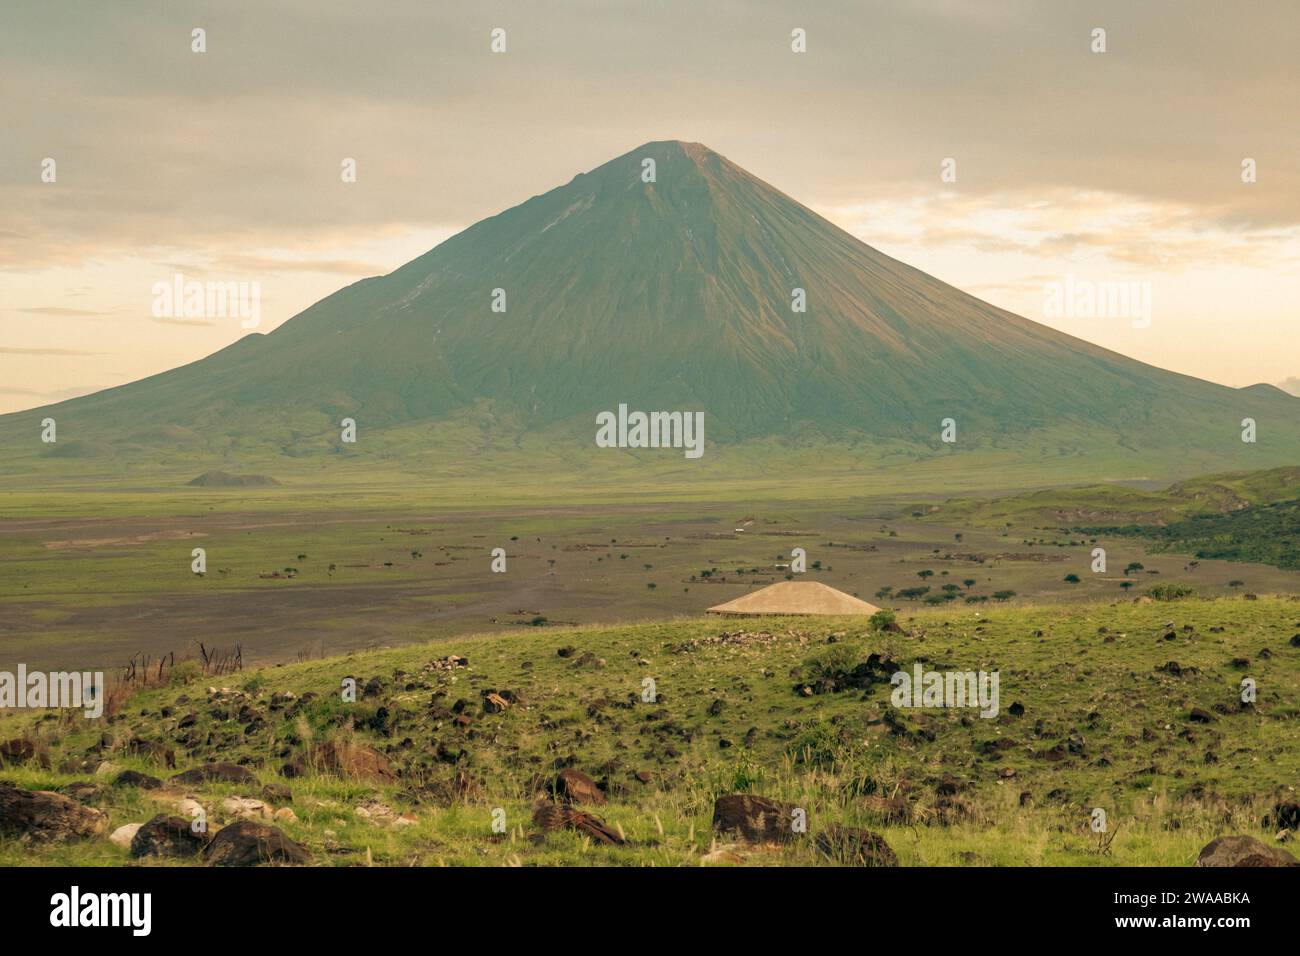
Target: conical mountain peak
(684,284)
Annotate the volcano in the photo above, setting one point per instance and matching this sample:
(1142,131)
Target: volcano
(675,291)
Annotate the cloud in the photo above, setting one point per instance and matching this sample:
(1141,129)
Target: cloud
(55,310)
(6,350)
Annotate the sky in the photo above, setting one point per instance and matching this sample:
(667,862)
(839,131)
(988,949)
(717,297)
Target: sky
(1071,167)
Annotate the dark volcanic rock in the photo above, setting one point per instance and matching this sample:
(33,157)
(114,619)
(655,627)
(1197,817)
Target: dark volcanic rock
(352,760)
(40,816)
(219,772)
(855,846)
(1243,851)
(1285,814)
(757,819)
(21,750)
(167,836)
(574,786)
(248,844)
(152,750)
(133,778)
(552,816)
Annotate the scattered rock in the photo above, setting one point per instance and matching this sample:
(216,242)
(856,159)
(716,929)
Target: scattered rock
(855,846)
(246,808)
(20,750)
(41,816)
(123,835)
(891,810)
(1286,815)
(83,791)
(133,778)
(757,819)
(277,793)
(248,844)
(574,786)
(152,750)
(219,772)
(1243,851)
(553,816)
(352,760)
(167,836)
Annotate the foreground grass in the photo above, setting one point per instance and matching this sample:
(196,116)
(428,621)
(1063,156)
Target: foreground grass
(1102,727)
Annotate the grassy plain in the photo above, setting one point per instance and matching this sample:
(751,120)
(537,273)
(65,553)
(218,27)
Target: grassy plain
(1105,724)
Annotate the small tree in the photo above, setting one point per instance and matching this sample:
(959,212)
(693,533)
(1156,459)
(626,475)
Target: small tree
(882,620)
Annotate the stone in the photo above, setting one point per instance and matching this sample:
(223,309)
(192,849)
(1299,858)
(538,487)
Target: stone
(247,843)
(1243,851)
(757,819)
(855,846)
(574,786)
(41,816)
(167,836)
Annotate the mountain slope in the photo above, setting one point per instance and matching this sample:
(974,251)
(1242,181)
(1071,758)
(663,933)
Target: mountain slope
(675,295)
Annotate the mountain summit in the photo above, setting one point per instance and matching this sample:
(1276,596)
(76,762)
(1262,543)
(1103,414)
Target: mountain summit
(674,294)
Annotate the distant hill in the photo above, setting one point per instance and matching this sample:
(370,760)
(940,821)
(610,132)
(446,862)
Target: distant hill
(671,295)
(1291,385)
(221,479)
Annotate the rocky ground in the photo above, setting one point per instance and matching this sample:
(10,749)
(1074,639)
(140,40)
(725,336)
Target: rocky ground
(751,742)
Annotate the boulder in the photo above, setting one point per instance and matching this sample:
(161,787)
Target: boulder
(249,844)
(21,750)
(855,846)
(123,835)
(219,772)
(246,808)
(83,791)
(277,793)
(152,750)
(574,786)
(757,819)
(1286,814)
(167,836)
(133,778)
(554,816)
(40,816)
(352,761)
(1243,851)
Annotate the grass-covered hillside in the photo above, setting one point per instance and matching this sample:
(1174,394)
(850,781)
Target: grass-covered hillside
(1113,505)
(1134,708)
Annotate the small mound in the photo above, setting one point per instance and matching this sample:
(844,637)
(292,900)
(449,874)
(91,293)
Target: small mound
(796,597)
(223,479)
